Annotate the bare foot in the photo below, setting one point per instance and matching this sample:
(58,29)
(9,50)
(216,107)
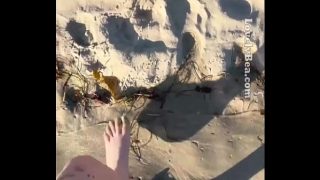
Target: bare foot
(85,168)
(117,141)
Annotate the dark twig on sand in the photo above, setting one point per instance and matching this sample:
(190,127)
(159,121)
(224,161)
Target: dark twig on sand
(65,86)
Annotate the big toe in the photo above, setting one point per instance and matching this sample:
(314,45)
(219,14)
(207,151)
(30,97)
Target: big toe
(124,127)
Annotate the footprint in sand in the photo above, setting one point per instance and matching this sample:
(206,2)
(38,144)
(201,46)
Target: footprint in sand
(189,46)
(191,51)
(79,33)
(143,17)
(123,36)
(177,11)
(236,9)
(143,13)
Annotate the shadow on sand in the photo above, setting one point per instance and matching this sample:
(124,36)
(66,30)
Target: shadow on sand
(246,168)
(208,97)
(243,170)
(193,98)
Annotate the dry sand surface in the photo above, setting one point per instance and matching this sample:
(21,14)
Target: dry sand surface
(172,48)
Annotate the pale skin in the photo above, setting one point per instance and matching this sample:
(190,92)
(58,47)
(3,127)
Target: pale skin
(117,142)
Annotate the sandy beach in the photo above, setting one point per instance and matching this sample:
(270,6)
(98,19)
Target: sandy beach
(187,74)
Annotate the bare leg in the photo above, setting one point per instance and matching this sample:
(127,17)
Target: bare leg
(117,141)
(85,168)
